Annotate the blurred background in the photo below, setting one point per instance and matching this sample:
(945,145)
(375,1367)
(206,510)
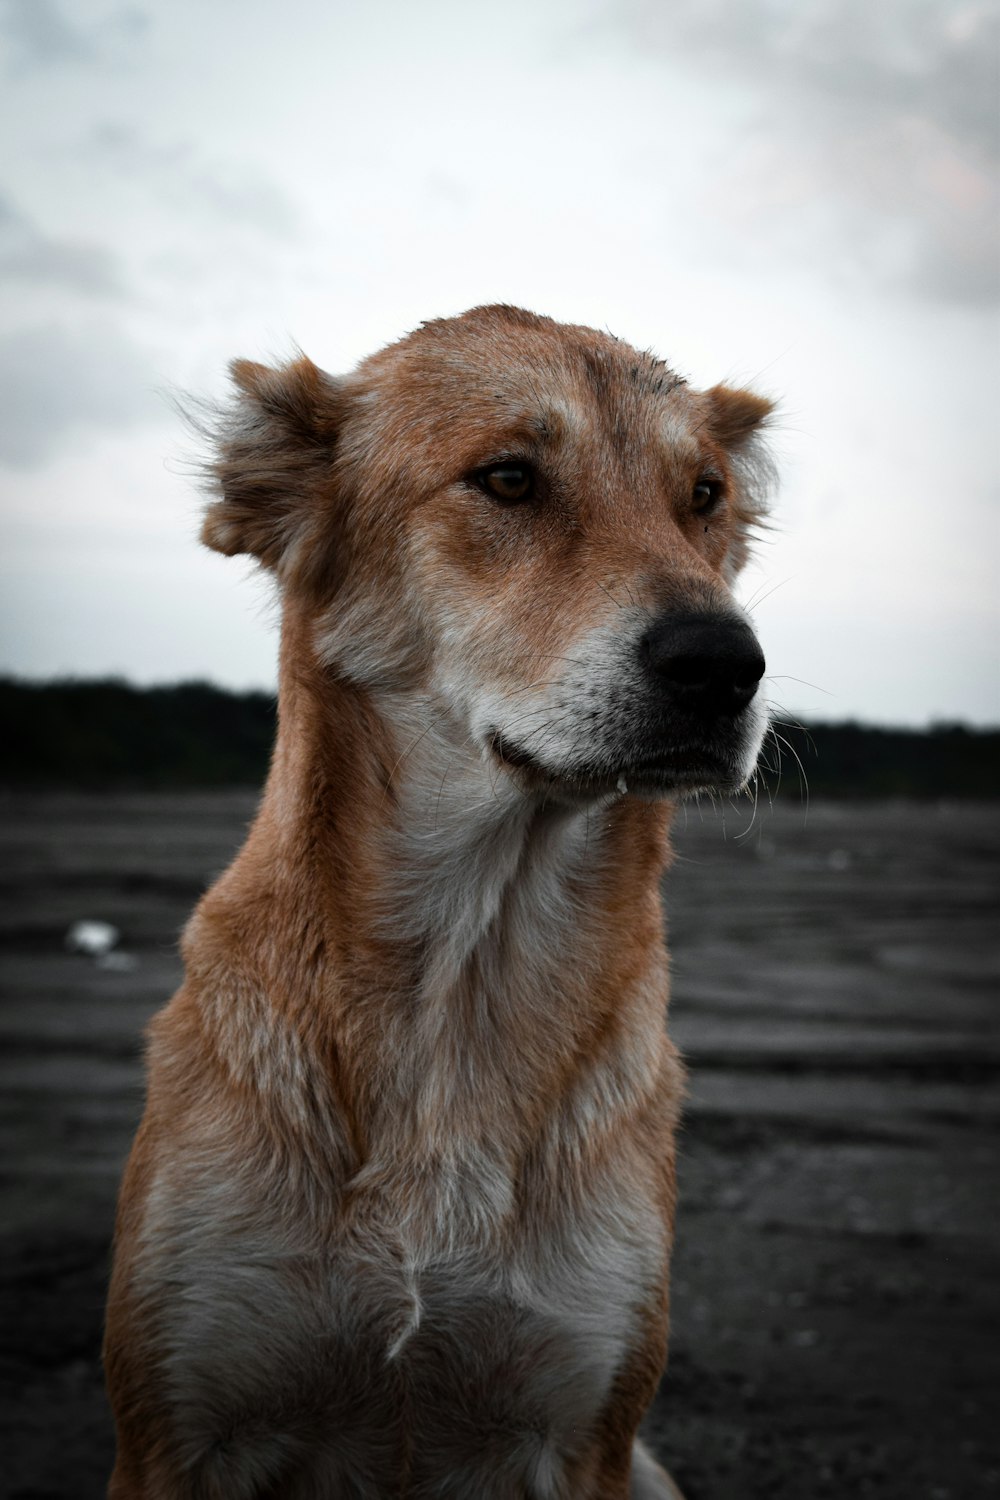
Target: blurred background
(800,195)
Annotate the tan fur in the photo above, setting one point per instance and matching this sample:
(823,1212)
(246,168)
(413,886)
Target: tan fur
(397,1221)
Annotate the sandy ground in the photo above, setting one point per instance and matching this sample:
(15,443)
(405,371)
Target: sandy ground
(835,1291)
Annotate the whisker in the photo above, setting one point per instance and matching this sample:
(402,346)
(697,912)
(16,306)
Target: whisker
(784,677)
(787,721)
(803,778)
(758,599)
(408,749)
(755,784)
(617,603)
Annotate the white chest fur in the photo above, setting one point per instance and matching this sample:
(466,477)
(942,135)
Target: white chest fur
(358,1368)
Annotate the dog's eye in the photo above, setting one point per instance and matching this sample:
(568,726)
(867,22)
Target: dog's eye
(707,494)
(509,482)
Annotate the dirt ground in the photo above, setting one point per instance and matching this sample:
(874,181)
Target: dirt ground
(836,1299)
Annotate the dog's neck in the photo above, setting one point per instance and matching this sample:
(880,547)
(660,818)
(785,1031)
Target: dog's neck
(427,843)
(449,931)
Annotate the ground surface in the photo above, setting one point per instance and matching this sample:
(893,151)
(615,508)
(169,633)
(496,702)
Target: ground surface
(835,1293)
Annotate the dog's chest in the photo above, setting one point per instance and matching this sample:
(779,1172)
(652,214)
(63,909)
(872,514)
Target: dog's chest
(362,1370)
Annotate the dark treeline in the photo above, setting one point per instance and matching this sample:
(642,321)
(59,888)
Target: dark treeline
(109,734)
(858,760)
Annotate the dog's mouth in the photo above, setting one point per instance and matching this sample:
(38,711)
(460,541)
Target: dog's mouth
(511,755)
(684,768)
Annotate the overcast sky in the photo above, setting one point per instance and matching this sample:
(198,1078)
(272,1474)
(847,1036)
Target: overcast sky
(800,194)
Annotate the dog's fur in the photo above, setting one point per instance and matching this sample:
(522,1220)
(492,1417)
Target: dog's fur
(397,1220)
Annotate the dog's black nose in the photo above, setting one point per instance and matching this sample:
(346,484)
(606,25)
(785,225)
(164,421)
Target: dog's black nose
(710,664)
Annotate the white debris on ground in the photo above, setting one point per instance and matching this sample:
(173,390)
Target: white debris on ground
(92,938)
(99,941)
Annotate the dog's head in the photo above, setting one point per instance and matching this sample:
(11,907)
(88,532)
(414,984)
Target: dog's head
(529,526)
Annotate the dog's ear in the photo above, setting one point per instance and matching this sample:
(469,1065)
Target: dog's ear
(736,415)
(272,462)
(736,418)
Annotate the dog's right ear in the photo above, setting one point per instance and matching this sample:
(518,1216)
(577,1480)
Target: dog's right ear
(273,457)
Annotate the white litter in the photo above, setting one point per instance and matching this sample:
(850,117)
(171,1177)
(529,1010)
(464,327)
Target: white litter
(92,938)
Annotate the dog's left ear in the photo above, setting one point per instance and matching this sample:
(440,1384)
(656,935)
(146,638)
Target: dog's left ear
(274,447)
(737,418)
(736,415)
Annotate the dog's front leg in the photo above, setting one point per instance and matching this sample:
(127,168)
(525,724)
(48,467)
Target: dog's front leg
(632,1475)
(626,1470)
(649,1480)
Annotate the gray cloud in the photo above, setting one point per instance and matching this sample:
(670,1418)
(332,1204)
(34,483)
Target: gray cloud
(39,33)
(30,257)
(227,194)
(878,119)
(55,381)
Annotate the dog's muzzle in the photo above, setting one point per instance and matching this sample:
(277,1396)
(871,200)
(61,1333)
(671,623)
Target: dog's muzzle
(675,715)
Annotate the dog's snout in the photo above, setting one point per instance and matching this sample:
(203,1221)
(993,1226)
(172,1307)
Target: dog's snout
(710,664)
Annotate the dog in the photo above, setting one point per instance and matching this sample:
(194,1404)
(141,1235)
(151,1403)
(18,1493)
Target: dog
(398,1217)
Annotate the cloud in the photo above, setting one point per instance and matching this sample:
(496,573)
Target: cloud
(55,382)
(873,131)
(228,194)
(28,256)
(39,34)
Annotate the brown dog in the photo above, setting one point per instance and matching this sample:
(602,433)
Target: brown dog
(398,1218)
